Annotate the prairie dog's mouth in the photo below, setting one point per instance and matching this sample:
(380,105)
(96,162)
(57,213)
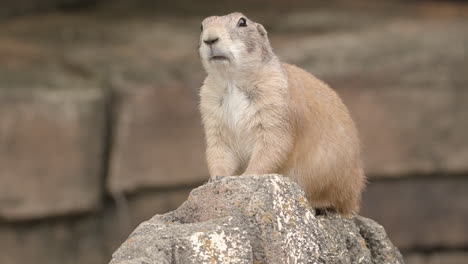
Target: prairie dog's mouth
(218,58)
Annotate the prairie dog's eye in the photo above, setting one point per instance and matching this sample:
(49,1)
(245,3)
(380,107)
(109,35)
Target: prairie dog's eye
(242,22)
(201,27)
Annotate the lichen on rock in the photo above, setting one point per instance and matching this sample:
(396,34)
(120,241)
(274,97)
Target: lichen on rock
(254,219)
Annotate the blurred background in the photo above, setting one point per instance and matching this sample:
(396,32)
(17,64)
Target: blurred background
(99,126)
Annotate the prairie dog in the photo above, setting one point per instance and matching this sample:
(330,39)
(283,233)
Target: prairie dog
(262,116)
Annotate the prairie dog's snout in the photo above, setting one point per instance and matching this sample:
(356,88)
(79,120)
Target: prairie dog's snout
(212,48)
(213,45)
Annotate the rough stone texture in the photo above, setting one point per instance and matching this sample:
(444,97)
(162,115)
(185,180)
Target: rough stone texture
(89,238)
(50,152)
(420,212)
(451,257)
(156,123)
(254,219)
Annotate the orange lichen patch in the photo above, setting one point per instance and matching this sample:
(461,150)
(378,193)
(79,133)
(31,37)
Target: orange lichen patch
(267,217)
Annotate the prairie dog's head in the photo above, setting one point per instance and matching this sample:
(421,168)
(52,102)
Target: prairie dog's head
(232,43)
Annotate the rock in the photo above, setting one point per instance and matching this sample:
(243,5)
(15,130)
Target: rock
(51,151)
(448,257)
(156,122)
(53,119)
(410,220)
(254,219)
(158,127)
(86,238)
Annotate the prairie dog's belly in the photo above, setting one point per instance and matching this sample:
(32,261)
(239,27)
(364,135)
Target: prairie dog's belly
(237,115)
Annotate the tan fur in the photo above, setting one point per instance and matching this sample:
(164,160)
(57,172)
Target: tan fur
(261,116)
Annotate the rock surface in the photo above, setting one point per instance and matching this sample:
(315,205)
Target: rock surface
(254,219)
(451,257)
(84,238)
(408,216)
(153,135)
(50,151)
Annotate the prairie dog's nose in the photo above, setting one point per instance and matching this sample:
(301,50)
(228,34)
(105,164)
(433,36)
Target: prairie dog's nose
(211,36)
(210,40)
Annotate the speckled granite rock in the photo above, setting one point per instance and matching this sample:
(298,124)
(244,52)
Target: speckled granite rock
(254,219)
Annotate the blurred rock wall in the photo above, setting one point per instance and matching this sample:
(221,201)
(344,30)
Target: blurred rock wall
(99,126)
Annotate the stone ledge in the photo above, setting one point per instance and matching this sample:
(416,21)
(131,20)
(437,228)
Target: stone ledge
(51,152)
(158,138)
(249,219)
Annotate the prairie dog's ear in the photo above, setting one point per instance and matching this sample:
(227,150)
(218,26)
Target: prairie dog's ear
(261,30)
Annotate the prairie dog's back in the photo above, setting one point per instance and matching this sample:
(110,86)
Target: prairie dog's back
(326,145)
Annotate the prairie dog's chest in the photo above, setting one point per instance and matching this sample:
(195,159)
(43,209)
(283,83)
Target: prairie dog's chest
(237,110)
